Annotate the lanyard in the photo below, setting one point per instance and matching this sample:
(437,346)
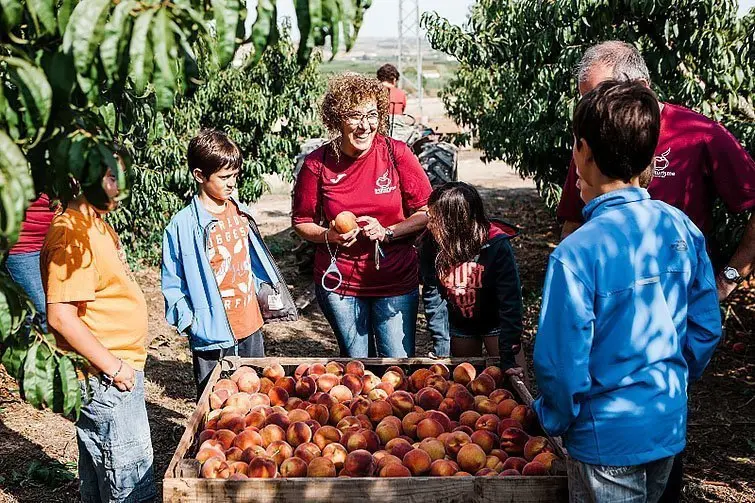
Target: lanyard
(332,268)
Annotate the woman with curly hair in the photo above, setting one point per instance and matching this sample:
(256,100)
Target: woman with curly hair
(367,278)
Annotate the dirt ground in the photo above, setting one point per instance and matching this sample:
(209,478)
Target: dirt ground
(38,449)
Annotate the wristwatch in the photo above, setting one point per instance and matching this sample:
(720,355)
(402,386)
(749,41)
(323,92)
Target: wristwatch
(388,235)
(732,275)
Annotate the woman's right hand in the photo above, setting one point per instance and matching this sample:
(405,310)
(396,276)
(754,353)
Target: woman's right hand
(345,240)
(125,379)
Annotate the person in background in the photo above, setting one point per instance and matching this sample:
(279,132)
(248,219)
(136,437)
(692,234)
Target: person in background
(629,313)
(696,161)
(219,280)
(22,262)
(96,308)
(367,278)
(474,268)
(388,75)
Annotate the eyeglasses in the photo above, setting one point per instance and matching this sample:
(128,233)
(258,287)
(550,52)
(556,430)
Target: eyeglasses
(356,119)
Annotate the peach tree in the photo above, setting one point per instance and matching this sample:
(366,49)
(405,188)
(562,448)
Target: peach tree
(78,77)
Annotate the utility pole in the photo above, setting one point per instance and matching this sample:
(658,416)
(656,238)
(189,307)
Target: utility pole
(409,41)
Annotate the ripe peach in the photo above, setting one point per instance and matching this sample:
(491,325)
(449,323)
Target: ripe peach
(338,412)
(387,387)
(442,468)
(307,451)
(514,463)
(301,371)
(510,472)
(306,387)
(324,399)
(355,367)
(334,367)
(262,467)
(455,441)
(206,435)
(248,382)
(279,451)
(534,468)
(441,370)
(434,448)
(288,383)
(279,419)
(377,394)
(293,467)
(238,467)
(499,454)
(393,378)
(504,424)
(278,396)
(485,439)
(359,405)
(395,368)
(466,429)
(384,460)
(496,373)
(443,436)
(513,441)
(387,431)
(316,369)
(377,411)
(505,407)
(410,421)
(464,400)
(238,476)
(218,398)
(208,452)
(439,383)
(546,459)
(443,419)
(482,385)
(298,416)
(274,372)
(394,470)
(266,385)
(494,463)
(501,394)
(240,372)
(429,428)
(487,422)
(215,468)
(398,447)
(359,463)
(247,439)
(272,433)
(363,439)
(469,418)
(326,435)
(354,383)
(534,446)
(232,421)
(341,393)
(255,419)
(429,398)
(293,403)
(486,472)
(349,423)
(450,408)
(464,373)
(418,462)
(471,458)
(326,382)
(226,384)
(336,453)
(402,402)
(369,382)
(418,378)
(524,415)
(395,421)
(259,399)
(321,467)
(249,454)
(318,412)
(298,433)
(486,406)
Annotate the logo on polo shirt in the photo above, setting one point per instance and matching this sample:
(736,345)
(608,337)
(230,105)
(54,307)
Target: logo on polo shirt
(338,178)
(660,163)
(383,184)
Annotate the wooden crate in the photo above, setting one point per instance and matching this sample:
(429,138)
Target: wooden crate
(182,482)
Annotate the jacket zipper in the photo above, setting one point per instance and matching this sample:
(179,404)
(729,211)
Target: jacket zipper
(206,245)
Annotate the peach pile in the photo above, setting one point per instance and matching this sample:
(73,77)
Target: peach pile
(342,420)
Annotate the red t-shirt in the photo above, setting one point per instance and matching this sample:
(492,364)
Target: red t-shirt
(34,227)
(397,99)
(696,159)
(368,186)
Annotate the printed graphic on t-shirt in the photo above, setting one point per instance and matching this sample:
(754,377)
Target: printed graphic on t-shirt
(461,287)
(383,184)
(660,163)
(229,256)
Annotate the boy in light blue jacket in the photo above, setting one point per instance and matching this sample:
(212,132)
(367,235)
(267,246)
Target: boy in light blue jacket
(630,312)
(219,280)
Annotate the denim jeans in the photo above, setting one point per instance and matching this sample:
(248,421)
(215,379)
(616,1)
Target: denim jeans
(618,484)
(205,361)
(436,314)
(115,448)
(24,271)
(387,324)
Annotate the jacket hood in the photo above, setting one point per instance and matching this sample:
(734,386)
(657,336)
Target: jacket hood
(500,229)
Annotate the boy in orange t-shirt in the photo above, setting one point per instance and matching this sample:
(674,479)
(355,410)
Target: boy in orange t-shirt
(95,308)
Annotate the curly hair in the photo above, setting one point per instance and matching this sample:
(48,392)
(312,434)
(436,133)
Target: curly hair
(388,73)
(349,91)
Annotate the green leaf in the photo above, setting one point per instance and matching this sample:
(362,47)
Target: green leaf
(59,66)
(34,93)
(263,26)
(13,357)
(64,14)
(11,13)
(42,10)
(348,8)
(165,52)
(16,188)
(69,384)
(35,383)
(108,115)
(114,46)
(227,18)
(309,19)
(5,317)
(88,31)
(331,11)
(76,156)
(141,64)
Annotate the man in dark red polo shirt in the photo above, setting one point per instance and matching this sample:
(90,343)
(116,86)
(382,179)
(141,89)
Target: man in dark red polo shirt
(388,75)
(696,160)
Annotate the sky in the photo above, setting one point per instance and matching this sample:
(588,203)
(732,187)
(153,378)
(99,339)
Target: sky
(381,20)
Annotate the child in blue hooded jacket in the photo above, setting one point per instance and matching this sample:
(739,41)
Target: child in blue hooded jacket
(629,314)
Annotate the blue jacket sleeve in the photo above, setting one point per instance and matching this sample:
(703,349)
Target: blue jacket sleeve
(703,318)
(509,296)
(178,310)
(562,348)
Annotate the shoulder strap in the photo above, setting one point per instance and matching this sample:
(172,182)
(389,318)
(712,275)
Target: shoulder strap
(391,153)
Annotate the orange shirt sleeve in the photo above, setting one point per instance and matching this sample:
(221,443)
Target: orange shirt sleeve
(68,268)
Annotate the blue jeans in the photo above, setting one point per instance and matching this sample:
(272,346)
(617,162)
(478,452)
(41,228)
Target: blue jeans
(115,448)
(618,484)
(204,362)
(387,324)
(436,314)
(23,269)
